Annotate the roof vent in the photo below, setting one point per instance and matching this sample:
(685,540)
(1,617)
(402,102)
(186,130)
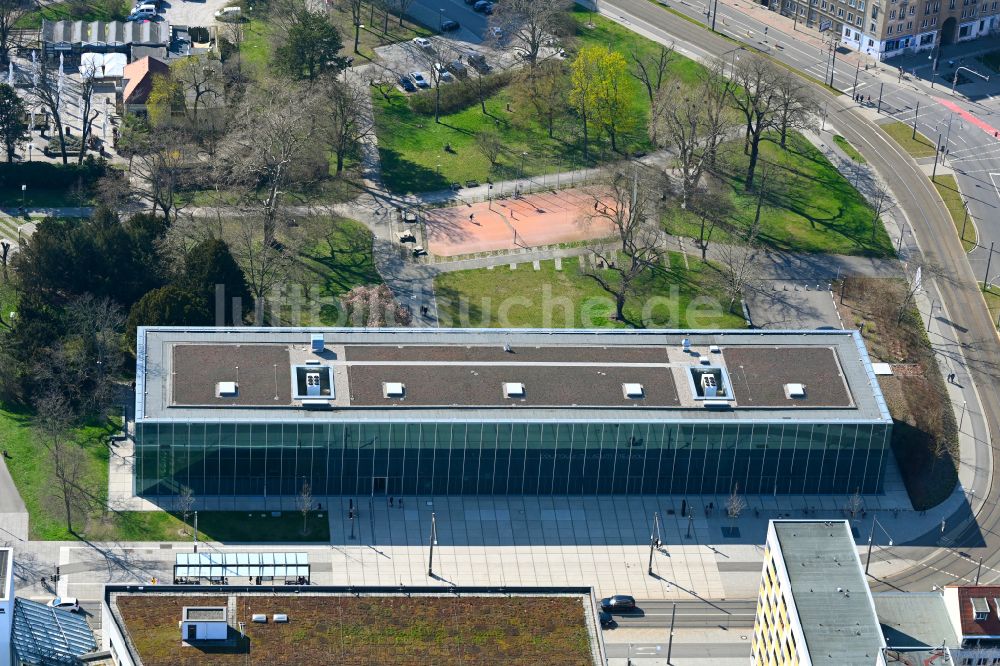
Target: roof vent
(280,617)
(393,390)
(507,348)
(259,618)
(312,384)
(795,391)
(316,343)
(634,391)
(714,349)
(708,386)
(686,344)
(513,390)
(226,389)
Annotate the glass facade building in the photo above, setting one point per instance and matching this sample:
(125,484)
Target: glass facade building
(510,458)
(438,450)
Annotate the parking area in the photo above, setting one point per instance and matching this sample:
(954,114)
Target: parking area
(544,218)
(432,14)
(781,304)
(192,12)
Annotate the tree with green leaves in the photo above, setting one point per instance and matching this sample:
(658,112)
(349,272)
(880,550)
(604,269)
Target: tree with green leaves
(311,46)
(13,126)
(172,305)
(210,263)
(601,92)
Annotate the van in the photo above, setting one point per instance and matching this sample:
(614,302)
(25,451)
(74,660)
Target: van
(146,7)
(229,13)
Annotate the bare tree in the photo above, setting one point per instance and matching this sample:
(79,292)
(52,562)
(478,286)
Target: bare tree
(185,503)
(11,13)
(271,144)
(855,503)
(265,263)
(200,89)
(735,504)
(402,6)
(4,256)
(158,165)
(881,202)
(796,104)
(490,144)
(545,89)
(304,503)
(349,118)
(738,269)
(88,81)
(628,200)
(651,69)
(755,95)
(54,418)
(530,24)
(374,306)
(714,208)
(47,90)
(691,123)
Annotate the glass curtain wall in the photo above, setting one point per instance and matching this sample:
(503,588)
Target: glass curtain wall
(260,459)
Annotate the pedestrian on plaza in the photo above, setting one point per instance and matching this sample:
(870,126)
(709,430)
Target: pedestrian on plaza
(390,500)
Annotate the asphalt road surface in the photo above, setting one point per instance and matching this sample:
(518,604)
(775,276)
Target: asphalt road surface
(690,614)
(974,337)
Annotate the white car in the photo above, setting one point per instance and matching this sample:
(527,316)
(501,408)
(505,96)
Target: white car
(423,43)
(443,73)
(420,79)
(65,603)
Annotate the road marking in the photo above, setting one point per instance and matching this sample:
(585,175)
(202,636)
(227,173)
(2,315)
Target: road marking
(981,124)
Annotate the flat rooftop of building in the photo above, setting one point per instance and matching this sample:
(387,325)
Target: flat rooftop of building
(385,626)
(831,594)
(245,374)
(914,620)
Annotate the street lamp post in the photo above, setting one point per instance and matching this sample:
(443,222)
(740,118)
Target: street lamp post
(434,540)
(871,539)
(930,315)
(690,520)
(654,539)
(24,189)
(523,156)
(965,221)
(440,17)
(670,639)
(194,534)
(961,419)
(937,153)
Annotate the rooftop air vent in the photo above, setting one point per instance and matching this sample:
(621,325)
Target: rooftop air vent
(633,391)
(280,617)
(714,349)
(513,390)
(393,390)
(312,384)
(226,389)
(316,343)
(686,344)
(259,618)
(708,386)
(795,391)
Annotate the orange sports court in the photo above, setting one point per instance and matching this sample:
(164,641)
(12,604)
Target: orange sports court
(541,218)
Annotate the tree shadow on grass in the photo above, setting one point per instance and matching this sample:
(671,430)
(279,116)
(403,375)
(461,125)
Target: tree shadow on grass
(402,176)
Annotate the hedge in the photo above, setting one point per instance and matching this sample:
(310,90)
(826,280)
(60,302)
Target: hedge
(459,95)
(49,176)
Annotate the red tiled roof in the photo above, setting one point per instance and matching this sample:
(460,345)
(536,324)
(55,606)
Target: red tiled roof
(970,626)
(139,79)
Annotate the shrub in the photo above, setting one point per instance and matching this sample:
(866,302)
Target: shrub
(459,95)
(49,176)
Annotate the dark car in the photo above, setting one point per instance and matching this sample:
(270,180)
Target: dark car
(618,602)
(457,68)
(607,621)
(449,25)
(484,6)
(407,84)
(478,61)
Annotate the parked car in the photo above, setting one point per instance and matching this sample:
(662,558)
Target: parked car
(496,33)
(406,83)
(607,621)
(420,79)
(458,69)
(478,61)
(144,15)
(618,602)
(483,6)
(145,7)
(65,603)
(443,73)
(449,25)
(423,43)
(229,14)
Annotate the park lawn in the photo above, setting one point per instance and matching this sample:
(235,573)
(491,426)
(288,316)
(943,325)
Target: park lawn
(902,134)
(811,208)
(848,149)
(412,146)
(63,11)
(255,51)
(335,259)
(547,298)
(372,35)
(947,187)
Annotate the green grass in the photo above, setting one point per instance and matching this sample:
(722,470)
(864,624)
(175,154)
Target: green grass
(902,134)
(992,297)
(336,258)
(947,187)
(412,146)
(673,298)
(848,149)
(31,471)
(74,11)
(810,207)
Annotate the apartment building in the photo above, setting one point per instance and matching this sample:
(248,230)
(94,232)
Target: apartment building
(886,28)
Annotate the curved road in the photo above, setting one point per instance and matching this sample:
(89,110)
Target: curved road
(974,336)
